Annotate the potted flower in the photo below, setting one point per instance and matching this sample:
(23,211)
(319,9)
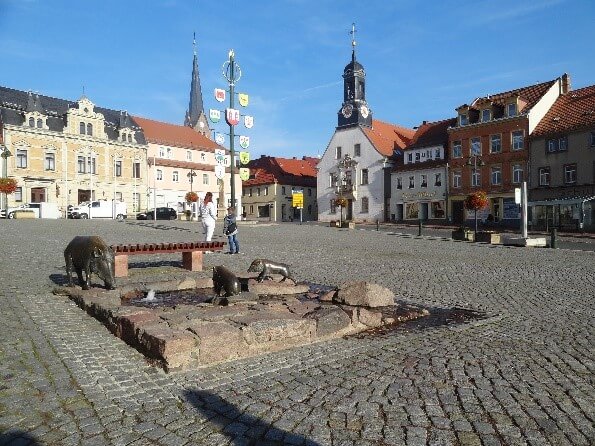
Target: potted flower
(191,197)
(8,185)
(476,201)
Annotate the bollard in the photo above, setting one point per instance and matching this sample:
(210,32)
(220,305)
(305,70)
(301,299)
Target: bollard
(377,225)
(419,228)
(554,237)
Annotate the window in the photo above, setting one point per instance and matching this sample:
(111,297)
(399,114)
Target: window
(203,157)
(31,122)
(250,193)
(476,146)
(592,139)
(136,171)
(50,161)
(161,152)
(357,150)
(159,175)
(364,176)
(495,144)
(476,178)
(438,154)
(338,153)
(136,197)
(266,190)
(365,205)
(570,174)
(258,191)
(410,157)
(309,192)
(118,168)
(517,140)
(333,180)
(168,153)
(399,183)
(82,128)
(333,207)
(496,176)
(486,115)
(175,176)
(463,119)
(18,194)
(544,176)
(119,196)
(511,109)
(438,179)
(130,137)
(252,209)
(283,190)
(411,182)
(205,178)
(39,124)
(22,158)
(92,164)
(188,155)
(417,157)
(517,173)
(456,179)
(424,180)
(457,149)
(80,162)
(557,144)
(90,129)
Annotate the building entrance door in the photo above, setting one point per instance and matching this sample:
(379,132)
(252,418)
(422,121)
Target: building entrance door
(37,194)
(349,215)
(84,195)
(423,211)
(458,212)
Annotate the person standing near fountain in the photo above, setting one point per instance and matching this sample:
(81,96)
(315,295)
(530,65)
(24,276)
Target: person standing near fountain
(230,229)
(208,215)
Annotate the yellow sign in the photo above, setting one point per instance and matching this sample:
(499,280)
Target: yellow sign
(244,173)
(297,200)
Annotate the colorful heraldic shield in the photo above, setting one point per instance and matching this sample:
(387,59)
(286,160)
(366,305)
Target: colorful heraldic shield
(214,115)
(219,138)
(232,116)
(219,94)
(220,156)
(244,157)
(244,141)
(219,171)
(243,99)
(244,173)
(248,121)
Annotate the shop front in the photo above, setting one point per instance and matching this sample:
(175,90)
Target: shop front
(571,214)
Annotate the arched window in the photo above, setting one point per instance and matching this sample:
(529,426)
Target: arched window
(39,124)
(82,128)
(31,122)
(90,129)
(129,137)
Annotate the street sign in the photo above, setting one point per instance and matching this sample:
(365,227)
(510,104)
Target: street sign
(297,199)
(517,195)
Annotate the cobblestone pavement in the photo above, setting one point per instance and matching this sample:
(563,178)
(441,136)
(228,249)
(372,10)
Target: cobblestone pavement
(523,376)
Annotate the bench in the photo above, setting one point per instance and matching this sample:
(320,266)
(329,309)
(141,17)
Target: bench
(191,253)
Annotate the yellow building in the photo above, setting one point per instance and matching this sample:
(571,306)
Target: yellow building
(67,152)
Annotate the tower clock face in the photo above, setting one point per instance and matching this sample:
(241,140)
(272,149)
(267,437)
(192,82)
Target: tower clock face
(364,111)
(347,110)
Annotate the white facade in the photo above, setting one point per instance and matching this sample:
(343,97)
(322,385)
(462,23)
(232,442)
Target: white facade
(369,164)
(419,192)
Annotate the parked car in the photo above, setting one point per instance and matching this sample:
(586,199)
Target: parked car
(40,210)
(163,213)
(99,209)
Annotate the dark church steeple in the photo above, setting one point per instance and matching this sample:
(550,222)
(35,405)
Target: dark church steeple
(195,116)
(354,110)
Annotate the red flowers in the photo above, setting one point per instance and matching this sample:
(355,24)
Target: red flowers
(476,201)
(8,185)
(191,197)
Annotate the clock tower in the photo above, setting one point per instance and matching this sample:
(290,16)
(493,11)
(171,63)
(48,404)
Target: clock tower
(354,110)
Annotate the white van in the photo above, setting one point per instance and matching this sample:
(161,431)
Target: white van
(99,209)
(41,210)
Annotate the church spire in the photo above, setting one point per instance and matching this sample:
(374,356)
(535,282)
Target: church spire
(195,116)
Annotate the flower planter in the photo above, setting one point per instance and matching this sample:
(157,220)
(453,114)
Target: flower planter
(348,225)
(463,234)
(489,237)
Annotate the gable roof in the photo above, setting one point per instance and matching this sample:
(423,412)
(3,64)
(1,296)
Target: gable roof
(431,134)
(571,111)
(386,137)
(175,135)
(290,171)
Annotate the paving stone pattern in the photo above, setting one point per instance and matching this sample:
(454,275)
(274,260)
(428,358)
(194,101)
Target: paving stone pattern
(523,376)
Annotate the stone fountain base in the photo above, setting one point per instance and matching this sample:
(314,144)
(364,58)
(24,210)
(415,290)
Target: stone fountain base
(271,316)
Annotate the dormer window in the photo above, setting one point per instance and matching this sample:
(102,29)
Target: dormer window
(511,110)
(463,119)
(82,128)
(31,122)
(130,137)
(90,129)
(486,115)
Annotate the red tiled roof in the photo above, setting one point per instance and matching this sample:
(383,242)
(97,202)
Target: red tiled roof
(573,110)
(268,170)
(386,137)
(431,133)
(530,95)
(175,135)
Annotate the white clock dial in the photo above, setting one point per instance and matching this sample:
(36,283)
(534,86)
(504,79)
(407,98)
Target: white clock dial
(364,111)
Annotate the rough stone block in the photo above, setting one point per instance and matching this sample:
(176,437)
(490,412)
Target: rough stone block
(270,287)
(330,320)
(365,294)
(266,331)
(369,318)
(302,308)
(128,326)
(218,341)
(173,347)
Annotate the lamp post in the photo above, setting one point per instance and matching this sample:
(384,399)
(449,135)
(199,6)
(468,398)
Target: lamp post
(232,73)
(474,162)
(5,154)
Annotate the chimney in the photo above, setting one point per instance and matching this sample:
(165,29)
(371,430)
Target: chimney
(565,84)
(424,122)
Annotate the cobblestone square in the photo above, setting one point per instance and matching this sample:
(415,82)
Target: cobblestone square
(524,375)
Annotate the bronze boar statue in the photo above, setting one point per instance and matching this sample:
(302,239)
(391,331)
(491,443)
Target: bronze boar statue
(225,280)
(268,267)
(92,255)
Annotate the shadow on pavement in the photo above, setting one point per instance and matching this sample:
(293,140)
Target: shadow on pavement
(17,437)
(240,427)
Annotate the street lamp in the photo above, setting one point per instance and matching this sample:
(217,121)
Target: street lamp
(232,73)
(5,154)
(475,162)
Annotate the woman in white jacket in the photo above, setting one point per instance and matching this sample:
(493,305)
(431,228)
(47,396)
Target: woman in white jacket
(208,214)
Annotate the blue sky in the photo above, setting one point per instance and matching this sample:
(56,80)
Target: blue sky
(422,58)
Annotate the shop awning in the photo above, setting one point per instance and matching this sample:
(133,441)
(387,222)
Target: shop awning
(563,201)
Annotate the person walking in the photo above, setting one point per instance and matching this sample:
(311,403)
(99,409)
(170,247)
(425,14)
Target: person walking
(230,229)
(208,214)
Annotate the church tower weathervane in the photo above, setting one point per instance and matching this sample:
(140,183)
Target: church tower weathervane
(354,110)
